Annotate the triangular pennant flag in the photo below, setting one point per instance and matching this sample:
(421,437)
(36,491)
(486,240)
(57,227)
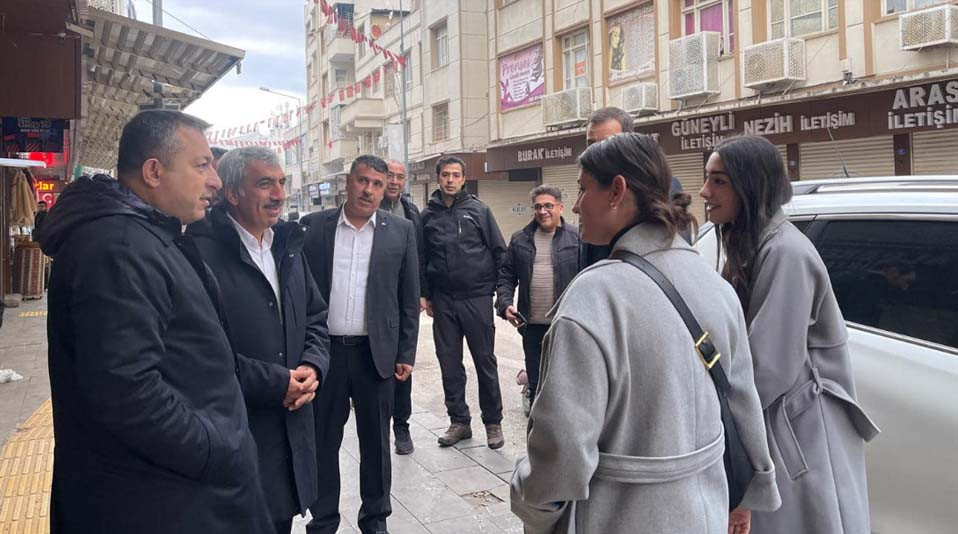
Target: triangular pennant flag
(341,95)
(367,82)
(376,76)
(349,91)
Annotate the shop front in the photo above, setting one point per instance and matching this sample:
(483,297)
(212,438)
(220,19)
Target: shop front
(888,130)
(548,161)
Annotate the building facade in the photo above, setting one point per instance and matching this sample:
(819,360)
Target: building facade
(842,87)
(444,85)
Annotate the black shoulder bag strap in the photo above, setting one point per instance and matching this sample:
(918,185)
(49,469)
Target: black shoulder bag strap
(738,466)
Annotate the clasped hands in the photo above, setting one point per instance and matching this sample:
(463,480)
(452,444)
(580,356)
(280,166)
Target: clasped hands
(303,383)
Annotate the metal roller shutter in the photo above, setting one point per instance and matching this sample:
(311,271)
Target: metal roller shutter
(874,156)
(509,202)
(690,170)
(566,178)
(934,152)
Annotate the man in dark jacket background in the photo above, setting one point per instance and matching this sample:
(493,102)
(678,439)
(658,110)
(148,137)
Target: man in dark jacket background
(462,252)
(542,259)
(149,419)
(276,321)
(394,202)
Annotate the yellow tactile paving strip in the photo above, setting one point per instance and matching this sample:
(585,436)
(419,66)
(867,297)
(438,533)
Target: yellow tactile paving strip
(26,473)
(40,313)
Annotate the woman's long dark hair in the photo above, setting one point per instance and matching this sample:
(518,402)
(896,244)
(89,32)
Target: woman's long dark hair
(757,174)
(639,159)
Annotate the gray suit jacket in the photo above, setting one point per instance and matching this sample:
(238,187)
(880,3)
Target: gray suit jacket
(392,290)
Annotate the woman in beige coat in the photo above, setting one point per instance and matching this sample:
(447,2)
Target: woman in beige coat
(803,373)
(625,435)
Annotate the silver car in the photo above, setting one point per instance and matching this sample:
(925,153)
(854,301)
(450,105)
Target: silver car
(891,248)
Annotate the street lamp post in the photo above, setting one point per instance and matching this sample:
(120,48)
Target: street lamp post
(302,140)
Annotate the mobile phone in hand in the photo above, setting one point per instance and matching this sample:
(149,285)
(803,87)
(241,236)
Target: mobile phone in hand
(522,319)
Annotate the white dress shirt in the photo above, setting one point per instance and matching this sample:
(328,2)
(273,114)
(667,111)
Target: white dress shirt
(347,294)
(262,255)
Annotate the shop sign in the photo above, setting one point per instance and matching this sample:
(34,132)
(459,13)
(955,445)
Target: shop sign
(562,151)
(921,107)
(522,79)
(24,134)
(519,209)
(324,186)
(48,191)
(314,190)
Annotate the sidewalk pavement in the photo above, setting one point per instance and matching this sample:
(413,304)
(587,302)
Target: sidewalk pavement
(462,489)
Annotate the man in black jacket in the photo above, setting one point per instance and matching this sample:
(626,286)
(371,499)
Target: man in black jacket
(365,263)
(394,202)
(149,419)
(542,259)
(276,321)
(462,252)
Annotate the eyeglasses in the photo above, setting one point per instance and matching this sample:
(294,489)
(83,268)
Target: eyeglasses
(393,175)
(547,206)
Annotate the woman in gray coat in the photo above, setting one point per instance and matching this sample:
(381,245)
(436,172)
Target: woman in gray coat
(816,429)
(625,435)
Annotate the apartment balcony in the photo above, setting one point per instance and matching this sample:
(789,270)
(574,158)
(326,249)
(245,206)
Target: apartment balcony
(363,113)
(341,149)
(340,48)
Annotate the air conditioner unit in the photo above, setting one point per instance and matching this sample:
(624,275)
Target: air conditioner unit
(567,107)
(929,27)
(693,65)
(641,98)
(776,62)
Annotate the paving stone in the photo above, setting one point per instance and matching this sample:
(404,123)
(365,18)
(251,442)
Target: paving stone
(502,492)
(476,524)
(430,421)
(494,461)
(434,503)
(469,480)
(436,459)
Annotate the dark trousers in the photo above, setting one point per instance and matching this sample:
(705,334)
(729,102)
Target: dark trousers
(283,527)
(472,318)
(402,403)
(352,374)
(532,335)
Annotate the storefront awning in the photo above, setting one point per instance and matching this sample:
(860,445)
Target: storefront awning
(126,64)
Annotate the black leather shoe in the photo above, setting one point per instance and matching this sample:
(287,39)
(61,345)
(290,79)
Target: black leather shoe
(403,441)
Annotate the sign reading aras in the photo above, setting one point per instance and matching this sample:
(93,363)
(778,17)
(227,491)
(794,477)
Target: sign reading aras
(927,106)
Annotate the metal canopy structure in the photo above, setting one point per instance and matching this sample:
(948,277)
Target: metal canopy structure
(128,64)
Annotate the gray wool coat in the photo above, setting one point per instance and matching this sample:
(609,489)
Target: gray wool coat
(625,435)
(803,372)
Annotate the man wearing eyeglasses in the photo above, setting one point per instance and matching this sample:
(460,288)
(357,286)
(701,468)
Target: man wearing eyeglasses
(542,259)
(394,202)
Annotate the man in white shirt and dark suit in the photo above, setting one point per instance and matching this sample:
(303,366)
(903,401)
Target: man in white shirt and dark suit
(365,262)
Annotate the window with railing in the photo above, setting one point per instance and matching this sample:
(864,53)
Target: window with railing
(631,43)
(440,122)
(793,18)
(361,47)
(710,16)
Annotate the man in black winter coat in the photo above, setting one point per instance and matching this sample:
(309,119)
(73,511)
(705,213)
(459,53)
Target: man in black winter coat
(149,419)
(394,202)
(542,259)
(276,321)
(463,250)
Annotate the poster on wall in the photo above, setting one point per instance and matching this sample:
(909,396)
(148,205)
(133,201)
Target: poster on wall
(24,134)
(631,43)
(522,79)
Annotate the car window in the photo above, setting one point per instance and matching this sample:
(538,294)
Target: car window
(802,225)
(896,275)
